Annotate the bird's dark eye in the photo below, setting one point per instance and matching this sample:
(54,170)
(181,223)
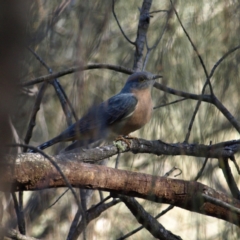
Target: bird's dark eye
(141,79)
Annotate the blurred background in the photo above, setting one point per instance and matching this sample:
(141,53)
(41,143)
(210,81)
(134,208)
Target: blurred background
(75,33)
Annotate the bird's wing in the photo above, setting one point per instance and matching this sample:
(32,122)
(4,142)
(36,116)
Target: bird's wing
(118,107)
(114,109)
(99,117)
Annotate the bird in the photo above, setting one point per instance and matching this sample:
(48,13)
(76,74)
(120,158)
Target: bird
(120,115)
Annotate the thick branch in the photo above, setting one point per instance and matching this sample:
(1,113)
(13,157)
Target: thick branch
(33,172)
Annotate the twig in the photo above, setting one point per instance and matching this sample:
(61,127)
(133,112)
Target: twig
(221,203)
(68,102)
(76,69)
(37,103)
(235,163)
(39,59)
(21,213)
(166,104)
(63,101)
(205,98)
(202,168)
(205,71)
(21,224)
(208,77)
(195,49)
(59,10)
(16,137)
(149,49)
(123,33)
(73,227)
(58,198)
(235,123)
(223,164)
(18,205)
(194,115)
(55,16)
(100,203)
(167,174)
(216,102)
(180,172)
(157,11)
(213,99)
(93,213)
(100,195)
(221,59)
(149,222)
(60,92)
(141,227)
(36,107)
(117,160)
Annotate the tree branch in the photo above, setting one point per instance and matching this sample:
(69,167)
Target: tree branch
(149,222)
(143,24)
(40,174)
(115,16)
(157,147)
(76,69)
(93,213)
(195,49)
(224,165)
(141,227)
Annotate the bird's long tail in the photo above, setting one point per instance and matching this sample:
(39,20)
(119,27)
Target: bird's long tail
(46,144)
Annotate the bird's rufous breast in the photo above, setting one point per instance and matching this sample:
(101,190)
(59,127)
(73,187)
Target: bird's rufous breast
(142,113)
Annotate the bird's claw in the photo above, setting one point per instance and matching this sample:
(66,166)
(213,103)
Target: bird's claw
(125,139)
(121,138)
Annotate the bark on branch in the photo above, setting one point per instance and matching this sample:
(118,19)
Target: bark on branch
(34,172)
(157,147)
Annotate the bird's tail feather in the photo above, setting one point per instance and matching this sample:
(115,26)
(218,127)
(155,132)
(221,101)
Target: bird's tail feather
(46,144)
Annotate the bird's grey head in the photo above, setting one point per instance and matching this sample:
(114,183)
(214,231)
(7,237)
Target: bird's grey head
(139,81)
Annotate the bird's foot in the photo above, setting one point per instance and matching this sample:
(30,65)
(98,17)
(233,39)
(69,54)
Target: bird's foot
(125,139)
(130,137)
